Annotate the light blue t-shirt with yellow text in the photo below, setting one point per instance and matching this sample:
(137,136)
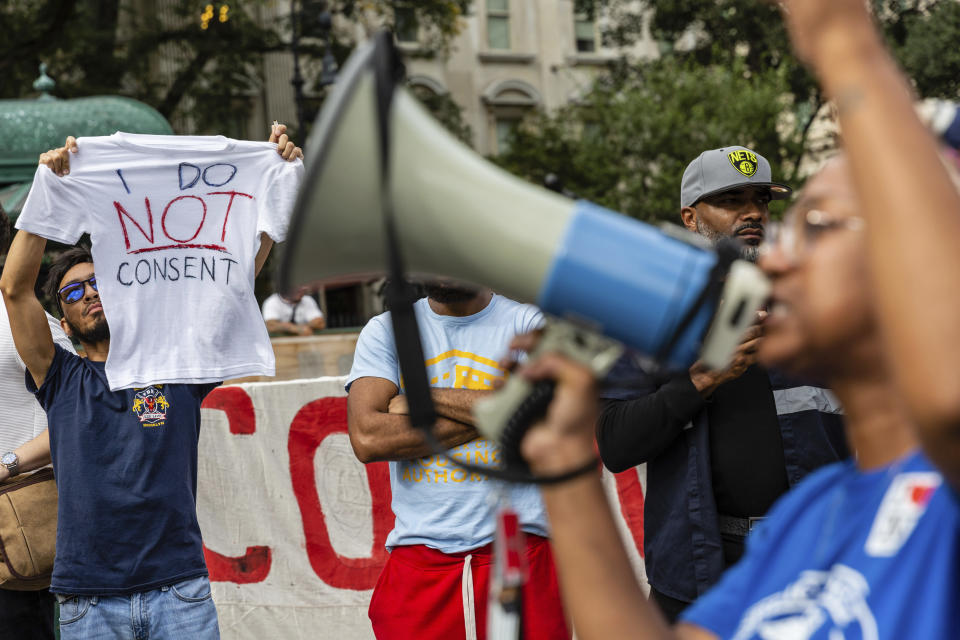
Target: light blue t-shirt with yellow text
(436,503)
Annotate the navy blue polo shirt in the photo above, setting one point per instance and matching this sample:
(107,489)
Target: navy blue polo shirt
(126,469)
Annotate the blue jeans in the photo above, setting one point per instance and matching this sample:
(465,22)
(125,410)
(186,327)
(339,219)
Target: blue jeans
(174,612)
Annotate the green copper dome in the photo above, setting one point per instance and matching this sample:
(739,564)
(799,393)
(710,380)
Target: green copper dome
(30,127)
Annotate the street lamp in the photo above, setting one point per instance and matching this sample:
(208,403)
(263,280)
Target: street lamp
(310,16)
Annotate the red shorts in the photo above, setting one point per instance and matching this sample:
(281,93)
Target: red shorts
(420,594)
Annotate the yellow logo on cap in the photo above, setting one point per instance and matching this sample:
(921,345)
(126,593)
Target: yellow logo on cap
(743,161)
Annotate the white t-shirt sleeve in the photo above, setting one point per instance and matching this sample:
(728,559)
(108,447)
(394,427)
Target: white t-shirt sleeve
(278,196)
(55,208)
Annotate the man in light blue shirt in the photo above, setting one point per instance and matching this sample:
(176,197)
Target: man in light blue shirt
(444,514)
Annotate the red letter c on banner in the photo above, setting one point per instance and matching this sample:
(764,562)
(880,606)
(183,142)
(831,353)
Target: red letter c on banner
(254,565)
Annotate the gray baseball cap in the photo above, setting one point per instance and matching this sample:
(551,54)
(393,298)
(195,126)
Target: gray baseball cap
(727,168)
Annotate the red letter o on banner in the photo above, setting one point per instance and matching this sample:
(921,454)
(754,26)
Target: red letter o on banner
(312,424)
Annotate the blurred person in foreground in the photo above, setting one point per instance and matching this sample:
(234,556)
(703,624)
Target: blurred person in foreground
(864,275)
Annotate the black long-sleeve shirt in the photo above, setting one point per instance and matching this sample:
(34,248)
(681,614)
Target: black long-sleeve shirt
(747,465)
(631,432)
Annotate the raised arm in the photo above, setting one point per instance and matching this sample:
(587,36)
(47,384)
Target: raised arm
(28,321)
(376,434)
(912,209)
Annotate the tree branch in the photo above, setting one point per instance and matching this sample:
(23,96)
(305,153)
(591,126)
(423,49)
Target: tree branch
(818,104)
(182,84)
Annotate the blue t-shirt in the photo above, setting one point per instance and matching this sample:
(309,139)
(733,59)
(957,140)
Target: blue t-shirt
(436,503)
(126,469)
(847,555)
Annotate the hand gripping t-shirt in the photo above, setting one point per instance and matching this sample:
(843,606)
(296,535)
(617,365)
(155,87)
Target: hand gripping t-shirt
(436,503)
(847,555)
(126,469)
(175,223)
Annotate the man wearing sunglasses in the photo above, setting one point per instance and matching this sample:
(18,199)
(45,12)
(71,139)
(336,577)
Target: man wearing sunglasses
(129,558)
(720,446)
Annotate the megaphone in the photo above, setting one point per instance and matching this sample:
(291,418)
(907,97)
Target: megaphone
(458,216)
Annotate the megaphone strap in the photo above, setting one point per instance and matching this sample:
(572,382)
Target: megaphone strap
(400,294)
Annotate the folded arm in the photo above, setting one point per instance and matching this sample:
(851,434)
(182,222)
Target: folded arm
(377,434)
(453,404)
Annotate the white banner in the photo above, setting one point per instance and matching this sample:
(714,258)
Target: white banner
(294,525)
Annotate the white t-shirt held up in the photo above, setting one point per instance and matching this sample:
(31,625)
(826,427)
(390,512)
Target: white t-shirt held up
(175,223)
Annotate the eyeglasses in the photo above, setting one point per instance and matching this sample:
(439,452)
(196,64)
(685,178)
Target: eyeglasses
(795,241)
(74,291)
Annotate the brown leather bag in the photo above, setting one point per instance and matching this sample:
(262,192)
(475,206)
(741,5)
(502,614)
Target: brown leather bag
(28,531)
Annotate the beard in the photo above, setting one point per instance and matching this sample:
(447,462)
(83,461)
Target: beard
(99,332)
(747,252)
(449,293)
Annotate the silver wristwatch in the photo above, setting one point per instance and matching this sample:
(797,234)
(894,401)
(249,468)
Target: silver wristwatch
(12,462)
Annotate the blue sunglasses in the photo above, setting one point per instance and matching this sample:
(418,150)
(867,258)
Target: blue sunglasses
(73,292)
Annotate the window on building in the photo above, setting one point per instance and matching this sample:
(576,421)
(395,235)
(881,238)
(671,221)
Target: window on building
(585,33)
(506,125)
(406,27)
(498,24)
(507,102)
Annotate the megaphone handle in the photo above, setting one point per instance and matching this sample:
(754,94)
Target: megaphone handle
(533,407)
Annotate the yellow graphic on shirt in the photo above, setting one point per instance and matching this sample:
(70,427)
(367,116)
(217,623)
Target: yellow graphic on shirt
(457,370)
(477,373)
(150,406)
(439,470)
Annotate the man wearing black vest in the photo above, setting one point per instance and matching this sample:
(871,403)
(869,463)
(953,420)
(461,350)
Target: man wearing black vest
(720,446)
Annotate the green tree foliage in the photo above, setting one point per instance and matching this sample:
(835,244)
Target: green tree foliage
(627,143)
(725,76)
(930,51)
(158,51)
